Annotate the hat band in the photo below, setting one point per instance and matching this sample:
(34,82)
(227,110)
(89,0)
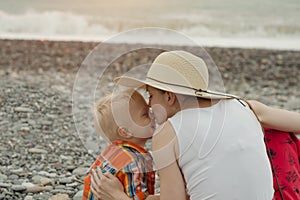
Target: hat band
(197,91)
(173,84)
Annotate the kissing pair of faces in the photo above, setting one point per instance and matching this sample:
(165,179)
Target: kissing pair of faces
(141,122)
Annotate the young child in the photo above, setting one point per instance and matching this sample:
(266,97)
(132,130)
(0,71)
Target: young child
(124,120)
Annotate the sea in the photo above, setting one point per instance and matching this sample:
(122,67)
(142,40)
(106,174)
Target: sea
(268,24)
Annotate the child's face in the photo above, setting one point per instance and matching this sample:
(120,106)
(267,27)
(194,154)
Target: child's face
(142,126)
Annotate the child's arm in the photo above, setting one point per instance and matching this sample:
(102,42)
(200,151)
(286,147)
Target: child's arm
(275,118)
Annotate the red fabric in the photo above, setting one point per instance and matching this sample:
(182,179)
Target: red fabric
(285,155)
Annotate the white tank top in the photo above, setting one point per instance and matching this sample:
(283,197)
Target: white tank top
(222,153)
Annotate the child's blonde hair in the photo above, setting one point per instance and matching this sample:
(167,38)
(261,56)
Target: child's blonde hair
(108,109)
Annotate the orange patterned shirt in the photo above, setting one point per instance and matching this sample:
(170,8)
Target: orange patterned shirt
(131,164)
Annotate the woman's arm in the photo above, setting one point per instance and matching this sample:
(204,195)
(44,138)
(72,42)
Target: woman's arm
(275,118)
(164,145)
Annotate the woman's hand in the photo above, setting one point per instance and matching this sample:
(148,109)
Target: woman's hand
(107,187)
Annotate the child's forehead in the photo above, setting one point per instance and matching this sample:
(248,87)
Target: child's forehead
(130,97)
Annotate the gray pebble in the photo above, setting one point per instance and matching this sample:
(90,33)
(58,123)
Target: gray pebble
(36,179)
(73,185)
(5,185)
(56,191)
(3,177)
(28,184)
(18,188)
(42,196)
(28,197)
(13,176)
(37,189)
(66,180)
(44,173)
(60,186)
(38,151)
(23,109)
(81,171)
(41,180)
(78,195)
(35,115)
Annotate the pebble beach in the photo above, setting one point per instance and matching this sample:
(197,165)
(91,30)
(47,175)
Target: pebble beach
(42,156)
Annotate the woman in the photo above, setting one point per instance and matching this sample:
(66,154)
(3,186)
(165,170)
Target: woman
(210,144)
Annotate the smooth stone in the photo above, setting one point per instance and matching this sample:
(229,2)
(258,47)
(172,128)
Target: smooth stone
(17,171)
(23,109)
(42,196)
(51,116)
(18,188)
(71,167)
(81,187)
(66,180)
(46,122)
(41,180)
(66,157)
(5,185)
(45,181)
(28,198)
(55,191)
(81,171)
(13,176)
(3,177)
(25,128)
(17,181)
(37,189)
(52,170)
(60,187)
(60,197)
(51,175)
(73,185)
(36,150)
(78,195)
(36,179)
(31,122)
(293,104)
(27,184)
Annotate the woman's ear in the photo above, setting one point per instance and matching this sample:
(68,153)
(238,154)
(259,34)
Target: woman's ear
(124,133)
(171,98)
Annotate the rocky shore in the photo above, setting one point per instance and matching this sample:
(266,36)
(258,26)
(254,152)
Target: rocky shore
(41,154)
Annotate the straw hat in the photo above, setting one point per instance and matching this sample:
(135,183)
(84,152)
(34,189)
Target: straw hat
(179,72)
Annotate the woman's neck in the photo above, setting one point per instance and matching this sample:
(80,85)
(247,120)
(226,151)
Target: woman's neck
(193,102)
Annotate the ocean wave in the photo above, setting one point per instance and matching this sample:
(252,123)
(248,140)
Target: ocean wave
(48,23)
(69,26)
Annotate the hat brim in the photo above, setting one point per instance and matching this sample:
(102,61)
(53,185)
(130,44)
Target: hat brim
(130,82)
(137,83)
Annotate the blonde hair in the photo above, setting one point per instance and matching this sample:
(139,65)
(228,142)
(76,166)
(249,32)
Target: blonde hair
(108,108)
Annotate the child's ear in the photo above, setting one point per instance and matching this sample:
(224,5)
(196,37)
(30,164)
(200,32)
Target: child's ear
(124,133)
